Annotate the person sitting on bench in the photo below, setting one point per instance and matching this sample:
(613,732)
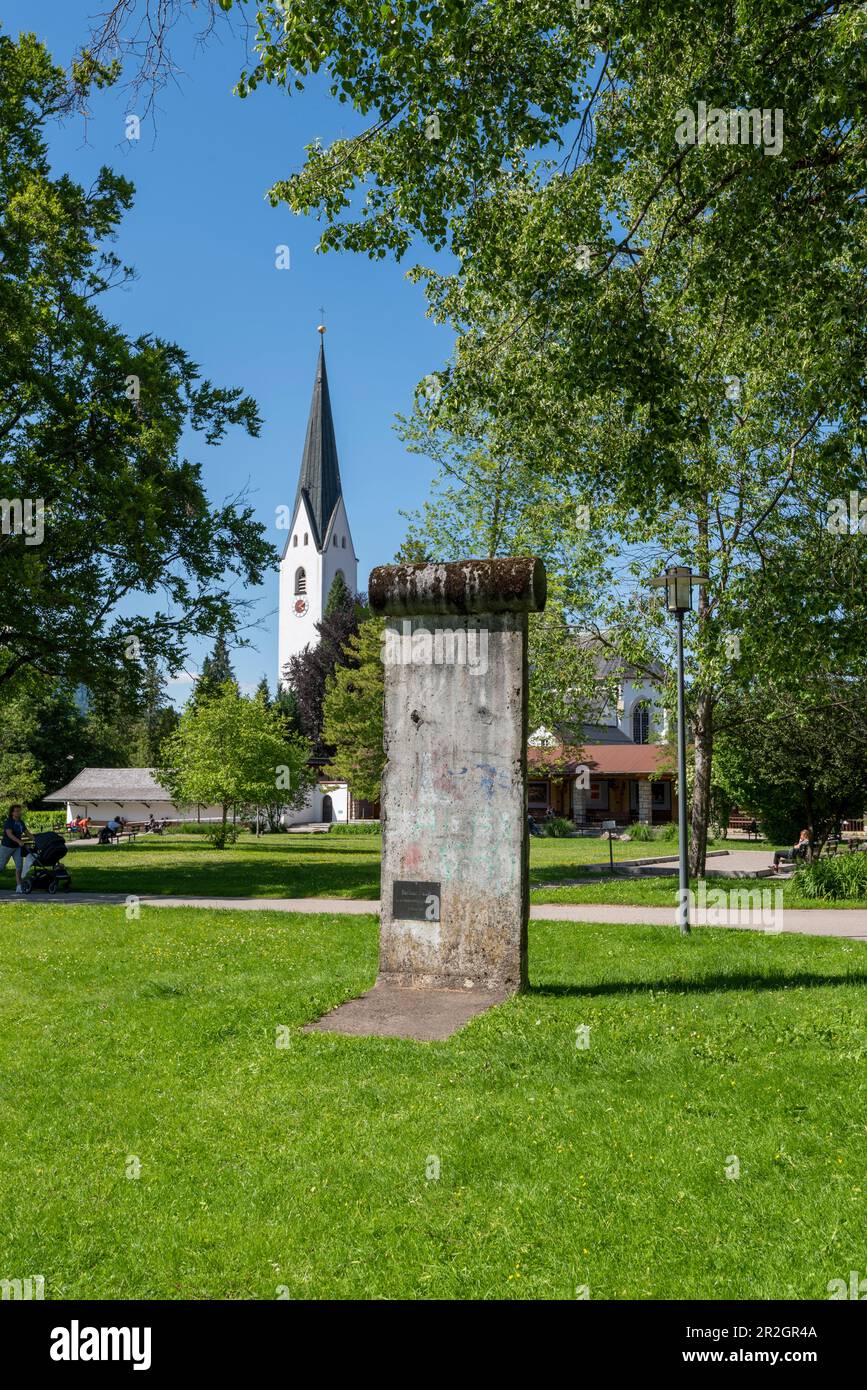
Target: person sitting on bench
(788,856)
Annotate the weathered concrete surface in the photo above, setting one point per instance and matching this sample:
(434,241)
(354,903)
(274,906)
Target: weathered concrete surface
(518,585)
(454,819)
(389,1011)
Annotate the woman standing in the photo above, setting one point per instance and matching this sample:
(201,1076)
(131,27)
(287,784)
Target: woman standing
(12,846)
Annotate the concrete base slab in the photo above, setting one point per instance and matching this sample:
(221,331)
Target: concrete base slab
(390,1011)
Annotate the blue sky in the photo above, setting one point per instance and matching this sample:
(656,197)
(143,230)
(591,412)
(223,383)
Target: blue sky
(202,239)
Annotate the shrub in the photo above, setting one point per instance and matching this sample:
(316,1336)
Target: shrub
(221,835)
(188,827)
(780,827)
(44,820)
(838,876)
(639,831)
(557,828)
(355,827)
(666,832)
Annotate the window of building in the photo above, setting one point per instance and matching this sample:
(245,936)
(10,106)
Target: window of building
(335,540)
(294,540)
(537,793)
(301,581)
(305,537)
(641,722)
(343,543)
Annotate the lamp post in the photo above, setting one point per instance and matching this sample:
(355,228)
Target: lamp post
(678,582)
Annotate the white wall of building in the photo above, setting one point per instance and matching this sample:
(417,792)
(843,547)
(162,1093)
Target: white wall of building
(339,553)
(135,811)
(312,812)
(634,693)
(296,628)
(299,614)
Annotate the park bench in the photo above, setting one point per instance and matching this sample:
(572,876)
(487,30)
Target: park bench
(835,843)
(115,836)
(749,824)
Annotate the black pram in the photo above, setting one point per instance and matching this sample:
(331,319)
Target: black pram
(42,867)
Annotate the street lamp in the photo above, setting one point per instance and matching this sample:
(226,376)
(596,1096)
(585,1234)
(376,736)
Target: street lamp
(678,582)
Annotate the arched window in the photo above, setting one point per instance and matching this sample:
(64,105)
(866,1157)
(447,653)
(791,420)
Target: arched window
(335,540)
(294,540)
(343,543)
(305,537)
(301,581)
(641,722)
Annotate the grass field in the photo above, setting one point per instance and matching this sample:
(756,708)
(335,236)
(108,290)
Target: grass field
(661,891)
(301,1170)
(297,866)
(347,866)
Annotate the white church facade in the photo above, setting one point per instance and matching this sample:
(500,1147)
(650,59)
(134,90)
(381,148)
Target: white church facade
(318,548)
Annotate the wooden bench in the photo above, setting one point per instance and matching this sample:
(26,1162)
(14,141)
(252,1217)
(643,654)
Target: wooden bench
(115,836)
(746,823)
(835,843)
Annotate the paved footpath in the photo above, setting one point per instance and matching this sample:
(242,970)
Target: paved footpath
(844,922)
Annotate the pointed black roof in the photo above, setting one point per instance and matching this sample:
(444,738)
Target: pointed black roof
(319,479)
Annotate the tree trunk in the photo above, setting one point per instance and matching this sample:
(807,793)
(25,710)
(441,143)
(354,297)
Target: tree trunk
(225,818)
(700,815)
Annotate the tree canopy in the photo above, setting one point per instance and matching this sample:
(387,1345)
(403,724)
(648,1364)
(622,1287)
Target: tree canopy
(353,713)
(104,516)
(233,751)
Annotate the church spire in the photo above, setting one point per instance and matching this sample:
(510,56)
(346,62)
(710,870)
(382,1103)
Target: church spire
(319,479)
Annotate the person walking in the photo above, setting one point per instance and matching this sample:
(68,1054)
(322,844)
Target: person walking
(12,846)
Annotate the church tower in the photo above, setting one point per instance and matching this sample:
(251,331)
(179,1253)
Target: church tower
(319,543)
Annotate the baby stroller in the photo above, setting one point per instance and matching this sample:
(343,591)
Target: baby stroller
(42,868)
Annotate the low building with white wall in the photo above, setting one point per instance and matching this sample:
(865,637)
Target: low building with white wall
(102,792)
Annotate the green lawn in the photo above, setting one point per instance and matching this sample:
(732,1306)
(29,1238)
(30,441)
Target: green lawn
(274,866)
(295,866)
(304,1168)
(661,891)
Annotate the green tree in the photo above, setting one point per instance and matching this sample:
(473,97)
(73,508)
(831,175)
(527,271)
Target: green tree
(157,718)
(353,713)
(287,704)
(104,510)
(339,596)
(232,751)
(216,670)
(20,778)
(622,327)
(797,756)
(484,506)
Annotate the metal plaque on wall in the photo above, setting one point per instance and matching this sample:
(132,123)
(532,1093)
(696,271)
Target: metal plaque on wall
(415,902)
